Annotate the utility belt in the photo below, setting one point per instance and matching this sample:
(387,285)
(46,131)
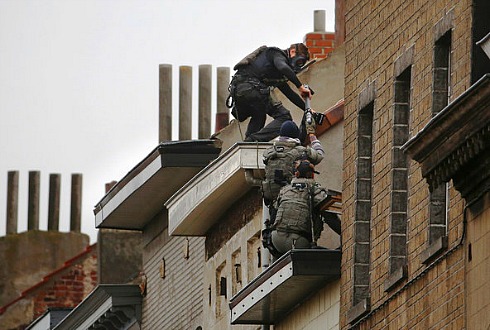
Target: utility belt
(241,78)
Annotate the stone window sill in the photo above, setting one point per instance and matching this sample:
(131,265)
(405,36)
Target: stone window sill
(359,310)
(395,278)
(434,250)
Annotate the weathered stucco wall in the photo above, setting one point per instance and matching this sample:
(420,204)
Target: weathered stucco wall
(321,311)
(120,255)
(65,287)
(29,256)
(238,261)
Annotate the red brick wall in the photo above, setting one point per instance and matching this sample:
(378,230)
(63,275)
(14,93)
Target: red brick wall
(67,289)
(320,43)
(64,287)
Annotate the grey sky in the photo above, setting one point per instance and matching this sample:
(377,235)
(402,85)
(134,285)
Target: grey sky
(79,80)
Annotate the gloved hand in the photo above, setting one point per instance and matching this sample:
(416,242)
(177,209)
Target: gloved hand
(311,127)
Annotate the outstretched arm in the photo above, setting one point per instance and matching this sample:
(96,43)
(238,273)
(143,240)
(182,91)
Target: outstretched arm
(315,151)
(292,96)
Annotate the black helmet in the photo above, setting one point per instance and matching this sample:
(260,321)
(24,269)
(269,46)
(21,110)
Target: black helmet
(304,169)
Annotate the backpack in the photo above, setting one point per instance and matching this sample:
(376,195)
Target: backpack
(279,161)
(294,209)
(249,58)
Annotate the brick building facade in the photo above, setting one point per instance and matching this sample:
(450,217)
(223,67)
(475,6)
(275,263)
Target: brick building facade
(405,253)
(64,287)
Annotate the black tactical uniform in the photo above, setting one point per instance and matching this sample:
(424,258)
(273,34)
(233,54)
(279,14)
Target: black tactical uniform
(250,89)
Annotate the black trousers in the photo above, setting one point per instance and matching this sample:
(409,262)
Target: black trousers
(253,100)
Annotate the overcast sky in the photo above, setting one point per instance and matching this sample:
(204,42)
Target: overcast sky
(79,81)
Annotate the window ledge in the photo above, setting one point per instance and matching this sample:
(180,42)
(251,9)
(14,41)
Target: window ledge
(359,310)
(434,250)
(285,284)
(396,277)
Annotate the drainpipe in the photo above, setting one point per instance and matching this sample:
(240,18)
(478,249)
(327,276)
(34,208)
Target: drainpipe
(76,203)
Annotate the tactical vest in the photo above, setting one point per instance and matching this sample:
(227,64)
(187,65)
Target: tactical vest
(249,58)
(258,64)
(294,209)
(279,161)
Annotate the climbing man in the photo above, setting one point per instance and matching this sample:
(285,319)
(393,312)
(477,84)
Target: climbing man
(298,222)
(250,89)
(279,162)
(280,157)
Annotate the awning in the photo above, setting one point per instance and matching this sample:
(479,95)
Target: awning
(284,285)
(199,204)
(141,194)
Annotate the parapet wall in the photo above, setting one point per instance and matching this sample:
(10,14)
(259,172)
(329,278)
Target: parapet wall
(29,256)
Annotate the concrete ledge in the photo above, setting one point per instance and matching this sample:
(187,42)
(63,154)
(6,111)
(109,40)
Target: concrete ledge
(358,311)
(279,289)
(434,250)
(198,205)
(396,277)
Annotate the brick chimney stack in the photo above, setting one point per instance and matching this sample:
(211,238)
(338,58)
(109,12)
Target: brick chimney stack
(319,42)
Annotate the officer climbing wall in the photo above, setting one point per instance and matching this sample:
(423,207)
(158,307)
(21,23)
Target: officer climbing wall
(298,223)
(279,162)
(250,89)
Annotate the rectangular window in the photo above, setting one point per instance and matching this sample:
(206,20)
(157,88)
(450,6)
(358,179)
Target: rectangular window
(236,272)
(254,245)
(362,222)
(220,287)
(363,185)
(399,179)
(440,99)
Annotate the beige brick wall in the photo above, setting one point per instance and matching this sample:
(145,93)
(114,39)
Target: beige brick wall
(174,300)
(377,33)
(478,268)
(321,311)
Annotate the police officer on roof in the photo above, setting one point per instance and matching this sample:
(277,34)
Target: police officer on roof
(250,88)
